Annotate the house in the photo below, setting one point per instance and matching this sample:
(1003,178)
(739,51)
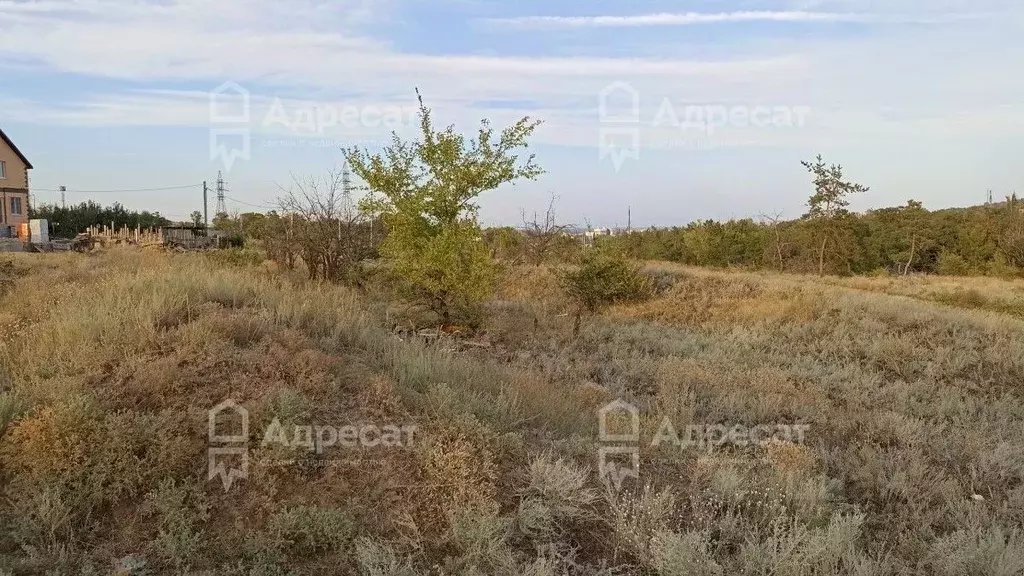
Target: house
(14,169)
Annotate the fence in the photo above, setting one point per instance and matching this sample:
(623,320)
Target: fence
(179,237)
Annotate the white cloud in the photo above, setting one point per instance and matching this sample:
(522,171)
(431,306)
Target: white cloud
(695,18)
(953,82)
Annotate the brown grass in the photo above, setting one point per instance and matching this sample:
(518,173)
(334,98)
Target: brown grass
(911,388)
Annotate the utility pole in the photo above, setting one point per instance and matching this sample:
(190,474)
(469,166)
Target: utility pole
(63,203)
(629,219)
(222,207)
(206,214)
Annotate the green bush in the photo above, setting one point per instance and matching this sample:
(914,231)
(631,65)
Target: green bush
(952,264)
(602,280)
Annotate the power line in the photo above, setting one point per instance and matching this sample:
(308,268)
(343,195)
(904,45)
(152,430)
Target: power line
(249,203)
(156,189)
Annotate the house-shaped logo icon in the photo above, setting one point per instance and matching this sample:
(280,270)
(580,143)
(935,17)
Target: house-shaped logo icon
(612,113)
(228,407)
(616,408)
(229,95)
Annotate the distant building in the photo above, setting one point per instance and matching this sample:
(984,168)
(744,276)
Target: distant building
(14,167)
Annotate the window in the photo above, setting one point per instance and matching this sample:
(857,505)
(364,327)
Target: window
(16,206)
(3,170)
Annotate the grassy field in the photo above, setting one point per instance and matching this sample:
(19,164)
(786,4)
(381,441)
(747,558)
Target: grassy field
(910,391)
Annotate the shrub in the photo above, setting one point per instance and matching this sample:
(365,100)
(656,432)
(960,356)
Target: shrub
(952,264)
(989,551)
(602,280)
(10,408)
(556,497)
(308,530)
(683,554)
(379,559)
(181,510)
(236,257)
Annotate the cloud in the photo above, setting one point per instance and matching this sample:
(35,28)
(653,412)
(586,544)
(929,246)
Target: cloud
(696,18)
(898,83)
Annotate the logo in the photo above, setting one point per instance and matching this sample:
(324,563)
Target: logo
(228,447)
(230,105)
(619,456)
(618,142)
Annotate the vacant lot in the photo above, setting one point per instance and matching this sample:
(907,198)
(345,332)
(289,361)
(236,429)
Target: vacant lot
(909,390)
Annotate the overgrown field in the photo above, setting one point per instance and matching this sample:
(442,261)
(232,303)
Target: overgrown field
(910,391)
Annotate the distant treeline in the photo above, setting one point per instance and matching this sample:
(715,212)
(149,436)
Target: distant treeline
(66,222)
(986,239)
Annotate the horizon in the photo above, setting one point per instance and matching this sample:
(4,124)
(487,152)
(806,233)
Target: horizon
(709,107)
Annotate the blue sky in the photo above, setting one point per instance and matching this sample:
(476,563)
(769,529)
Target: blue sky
(917,99)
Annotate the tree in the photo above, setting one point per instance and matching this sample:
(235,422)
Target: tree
(426,191)
(827,206)
(542,236)
(326,225)
(197,218)
(778,245)
(1011,240)
(66,222)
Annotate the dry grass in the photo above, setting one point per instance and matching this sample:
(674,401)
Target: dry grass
(911,389)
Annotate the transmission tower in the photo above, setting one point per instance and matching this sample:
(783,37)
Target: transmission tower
(222,207)
(346,181)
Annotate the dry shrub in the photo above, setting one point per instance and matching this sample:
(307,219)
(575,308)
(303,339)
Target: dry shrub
(304,531)
(181,511)
(992,551)
(794,549)
(726,300)
(11,407)
(636,519)
(789,458)
(460,472)
(556,498)
(69,460)
(530,284)
(686,554)
(380,559)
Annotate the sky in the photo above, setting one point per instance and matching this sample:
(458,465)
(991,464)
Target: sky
(671,110)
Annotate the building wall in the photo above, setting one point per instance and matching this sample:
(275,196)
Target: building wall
(14,186)
(17,175)
(8,219)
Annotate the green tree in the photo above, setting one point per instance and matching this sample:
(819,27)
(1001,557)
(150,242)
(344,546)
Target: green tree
(426,191)
(66,222)
(602,279)
(197,218)
(827,206)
